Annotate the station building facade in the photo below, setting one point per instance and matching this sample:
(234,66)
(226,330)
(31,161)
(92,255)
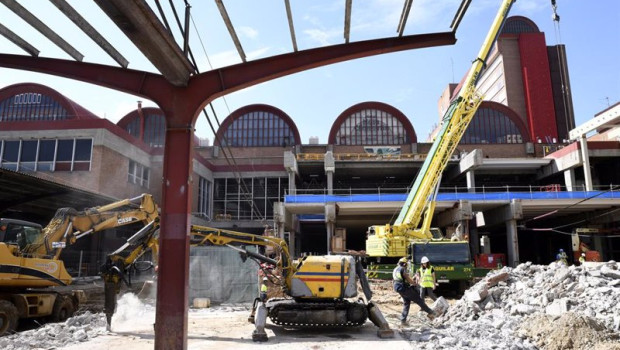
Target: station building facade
(258,167)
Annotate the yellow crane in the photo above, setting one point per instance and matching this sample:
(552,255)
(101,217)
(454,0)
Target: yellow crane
(413,222)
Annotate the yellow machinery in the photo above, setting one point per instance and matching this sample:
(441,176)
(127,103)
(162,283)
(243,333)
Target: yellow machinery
(29,258)
(394,240)
(318,288)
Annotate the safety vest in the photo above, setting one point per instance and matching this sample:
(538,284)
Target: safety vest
(397,274)
(561,257)
(426,275)
(263,288)
(582,259)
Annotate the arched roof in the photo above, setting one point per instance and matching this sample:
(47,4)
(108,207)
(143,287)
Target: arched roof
(147,124)
(258,125)
(35,102)
(493,122)
(367,120)
(519,24)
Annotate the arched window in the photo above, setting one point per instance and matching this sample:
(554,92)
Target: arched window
(495,123)
(155,130)
(31,106)
(258,126)
(372,123)
(519,24)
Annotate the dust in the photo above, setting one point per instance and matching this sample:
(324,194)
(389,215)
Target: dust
(570,331)
(132,315)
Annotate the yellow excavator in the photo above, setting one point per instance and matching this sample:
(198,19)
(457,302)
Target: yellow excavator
(411,233)
(319,290)
(30,263)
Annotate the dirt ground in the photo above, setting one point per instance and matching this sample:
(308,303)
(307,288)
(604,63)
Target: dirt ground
(225,327)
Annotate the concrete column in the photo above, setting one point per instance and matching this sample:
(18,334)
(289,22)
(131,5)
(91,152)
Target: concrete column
(330,182)
(330,233)
(585,157)
(330,169)
(290,164)
(291,183)
(330,223)
(513,242)
(471,181)
(569,179)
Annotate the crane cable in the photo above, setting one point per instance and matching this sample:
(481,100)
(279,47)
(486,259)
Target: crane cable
(560,55)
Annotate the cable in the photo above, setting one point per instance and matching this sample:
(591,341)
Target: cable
(572,205)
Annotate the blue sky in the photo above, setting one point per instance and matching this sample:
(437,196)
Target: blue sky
(411,81)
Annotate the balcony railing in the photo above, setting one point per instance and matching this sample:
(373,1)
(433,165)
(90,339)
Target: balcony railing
(554,191)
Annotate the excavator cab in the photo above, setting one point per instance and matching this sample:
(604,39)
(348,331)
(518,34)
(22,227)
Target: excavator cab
(19,233)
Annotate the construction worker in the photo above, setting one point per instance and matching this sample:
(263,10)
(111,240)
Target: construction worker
(582,258)
(426,276)
(263,290)
(405,286)
(561,257)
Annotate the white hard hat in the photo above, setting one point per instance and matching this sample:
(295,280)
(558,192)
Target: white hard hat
(424,260)
(583,254)
(265,279)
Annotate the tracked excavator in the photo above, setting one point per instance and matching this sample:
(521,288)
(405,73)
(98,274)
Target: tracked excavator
(411,234)
(30,258)
(320,290)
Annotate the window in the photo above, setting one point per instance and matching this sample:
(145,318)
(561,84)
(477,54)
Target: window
(491,126)
(259,129)
(31,106)
(204,195)
(10,154)
(47,155)
(247,199)
(138,174)
(27,160)
(371,127)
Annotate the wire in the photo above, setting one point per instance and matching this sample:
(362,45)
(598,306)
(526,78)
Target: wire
(572,205)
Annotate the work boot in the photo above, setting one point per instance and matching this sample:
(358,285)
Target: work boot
(404,323)
(431,316)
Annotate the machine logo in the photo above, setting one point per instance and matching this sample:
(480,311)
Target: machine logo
(49,267)
(121,221)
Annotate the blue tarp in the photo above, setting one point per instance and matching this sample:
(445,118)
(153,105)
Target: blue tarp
(489,196)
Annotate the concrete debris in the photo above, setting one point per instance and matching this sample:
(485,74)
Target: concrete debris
(76,329)
(493,313)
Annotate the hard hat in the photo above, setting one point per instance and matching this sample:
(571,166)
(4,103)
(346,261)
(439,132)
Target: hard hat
(402,261)
(424,260)
(561,250)
(583,254)
(265,279)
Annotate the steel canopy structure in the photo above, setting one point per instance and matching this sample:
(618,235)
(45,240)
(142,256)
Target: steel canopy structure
(181,91)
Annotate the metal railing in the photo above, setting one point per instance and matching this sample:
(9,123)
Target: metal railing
(551,191)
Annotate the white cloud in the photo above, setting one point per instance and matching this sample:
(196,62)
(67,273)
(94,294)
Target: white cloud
(323,37)
(258,53)
(225,58)
(248,32)
(531,6)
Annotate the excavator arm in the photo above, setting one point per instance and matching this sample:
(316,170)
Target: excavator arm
(212,236)
(68,225)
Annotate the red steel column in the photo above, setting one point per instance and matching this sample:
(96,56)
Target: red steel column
(173,285)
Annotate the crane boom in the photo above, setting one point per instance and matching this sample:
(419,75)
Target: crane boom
(454,123)
(391,240)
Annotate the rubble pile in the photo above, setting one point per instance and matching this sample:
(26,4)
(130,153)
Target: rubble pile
(76,329)
(491,313)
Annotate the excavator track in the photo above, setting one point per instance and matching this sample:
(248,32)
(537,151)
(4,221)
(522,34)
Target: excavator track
(306,314)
